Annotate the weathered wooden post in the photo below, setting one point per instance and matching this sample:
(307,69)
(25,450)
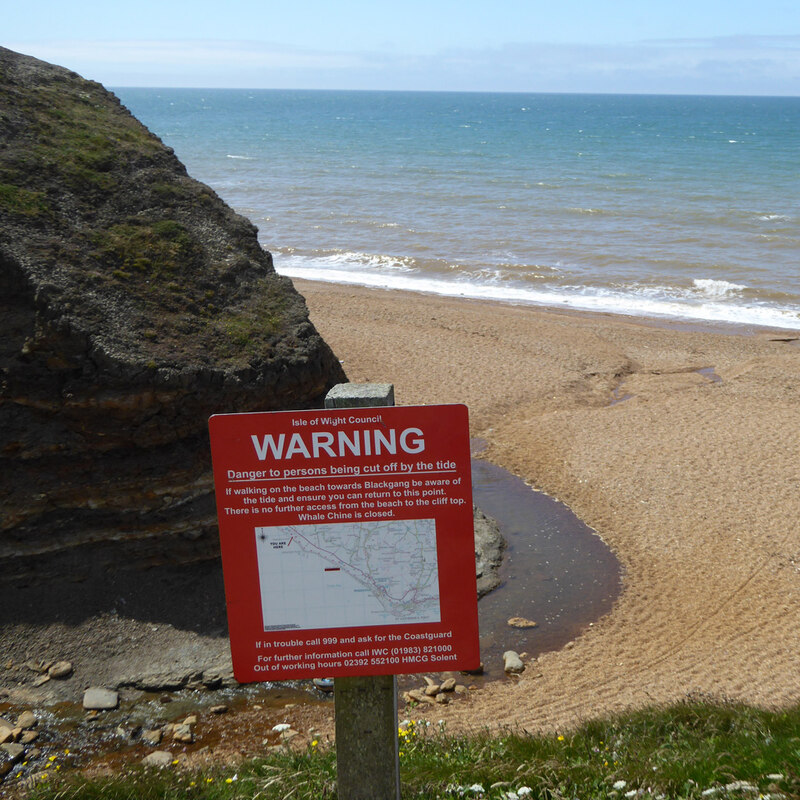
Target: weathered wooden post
(367,760)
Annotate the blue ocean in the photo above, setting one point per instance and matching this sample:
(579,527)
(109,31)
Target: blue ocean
(659,206)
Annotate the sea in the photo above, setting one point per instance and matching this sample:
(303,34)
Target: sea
(672,207)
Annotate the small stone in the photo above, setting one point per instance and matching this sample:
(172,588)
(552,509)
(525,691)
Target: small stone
(432,689)
(521,622)
(13,751)
(220,709)
(212,681)
(41,680)
(442,698)
(61,669)
(183,733)
(191,720)
(26,720)
(4,723)
(512,663)
(28,737)
(449,685)
(461,689)
(429,681)
(97,698)
(153,737)
(7,735)
(158,758)
(420,697)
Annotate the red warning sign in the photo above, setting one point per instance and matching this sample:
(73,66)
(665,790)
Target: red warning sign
(347,541)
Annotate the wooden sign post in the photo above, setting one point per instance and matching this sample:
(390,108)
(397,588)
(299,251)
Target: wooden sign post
(367,742)
(348,553)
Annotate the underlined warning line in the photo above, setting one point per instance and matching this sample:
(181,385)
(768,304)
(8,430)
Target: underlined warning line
(367,475)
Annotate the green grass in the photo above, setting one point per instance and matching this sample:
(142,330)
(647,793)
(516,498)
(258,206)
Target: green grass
(157,250)
(688,751)
(22,202)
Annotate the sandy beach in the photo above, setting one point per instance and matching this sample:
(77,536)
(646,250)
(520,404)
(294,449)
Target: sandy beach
(680,447)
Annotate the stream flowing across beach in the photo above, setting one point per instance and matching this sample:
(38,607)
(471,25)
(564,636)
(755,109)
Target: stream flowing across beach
(556,571)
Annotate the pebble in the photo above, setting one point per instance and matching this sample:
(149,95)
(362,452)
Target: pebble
(61,669)
(449,685)
(521,622)
(158,758)
(512,663)
(13,751)
(220,709)
(419,696)
(97,698)
(153,737)
(183,733)
(26,720)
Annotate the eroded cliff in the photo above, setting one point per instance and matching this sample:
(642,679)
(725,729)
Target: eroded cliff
(134,303)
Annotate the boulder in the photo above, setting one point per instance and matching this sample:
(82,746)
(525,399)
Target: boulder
(489,547)
(134,303)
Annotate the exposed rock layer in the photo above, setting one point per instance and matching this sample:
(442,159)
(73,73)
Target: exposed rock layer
(134,303)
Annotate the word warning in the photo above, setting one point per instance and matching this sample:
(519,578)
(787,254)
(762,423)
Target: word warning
(347,541)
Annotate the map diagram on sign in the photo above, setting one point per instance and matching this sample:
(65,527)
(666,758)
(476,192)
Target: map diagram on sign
(340,575)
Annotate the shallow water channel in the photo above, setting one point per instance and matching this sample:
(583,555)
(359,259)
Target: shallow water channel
(556,571)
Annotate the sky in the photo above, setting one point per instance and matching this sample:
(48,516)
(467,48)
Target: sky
(640,46)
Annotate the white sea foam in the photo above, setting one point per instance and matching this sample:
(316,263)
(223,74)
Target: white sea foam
(687,304)
(773,217)
(716,288)
(241,158)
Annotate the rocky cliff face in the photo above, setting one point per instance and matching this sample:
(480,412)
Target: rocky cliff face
(133,304)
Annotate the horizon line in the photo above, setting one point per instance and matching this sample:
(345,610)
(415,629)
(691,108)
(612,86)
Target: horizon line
(113,87)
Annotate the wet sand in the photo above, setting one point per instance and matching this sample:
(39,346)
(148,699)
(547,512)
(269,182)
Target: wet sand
(693,481)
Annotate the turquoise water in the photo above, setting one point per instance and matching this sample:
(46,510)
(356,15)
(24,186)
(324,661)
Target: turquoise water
(683,207)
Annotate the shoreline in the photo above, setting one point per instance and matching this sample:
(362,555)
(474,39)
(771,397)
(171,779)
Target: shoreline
(699,323)
(690,477)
